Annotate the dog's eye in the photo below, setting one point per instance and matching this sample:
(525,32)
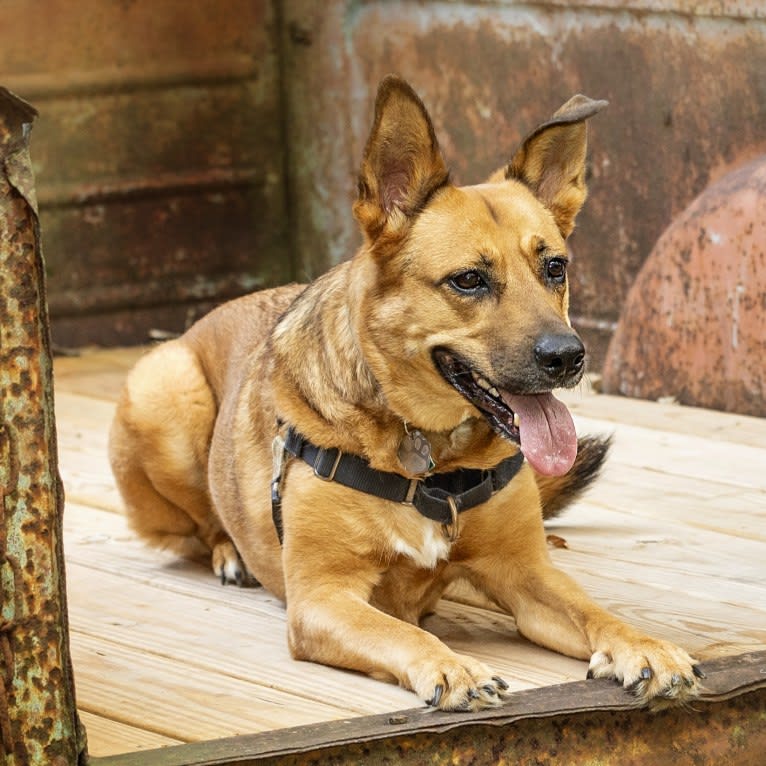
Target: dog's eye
(468,282)
(556,270)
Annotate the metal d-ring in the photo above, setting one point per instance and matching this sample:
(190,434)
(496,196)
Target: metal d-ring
(452,529)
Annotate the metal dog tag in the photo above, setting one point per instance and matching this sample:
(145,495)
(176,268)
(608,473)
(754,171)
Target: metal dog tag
(415,453)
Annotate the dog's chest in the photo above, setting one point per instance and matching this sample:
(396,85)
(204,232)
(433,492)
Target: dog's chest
(426,544)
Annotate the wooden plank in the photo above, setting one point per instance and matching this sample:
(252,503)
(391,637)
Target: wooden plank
(83,428)
(659,607)
(635,534)
(102,541)
(168,697)
(96,373)
(737,465)
(665,416)
(109,737)
(727,508)
(219,640)
(84,414)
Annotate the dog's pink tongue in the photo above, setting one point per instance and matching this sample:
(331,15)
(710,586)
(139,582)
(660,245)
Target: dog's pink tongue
(548,437)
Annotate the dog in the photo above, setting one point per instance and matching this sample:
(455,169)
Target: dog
(358,444)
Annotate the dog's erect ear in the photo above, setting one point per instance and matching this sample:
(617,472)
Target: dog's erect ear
(402,165)
(551,160)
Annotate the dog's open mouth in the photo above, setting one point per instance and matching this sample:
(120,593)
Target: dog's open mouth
(539,423)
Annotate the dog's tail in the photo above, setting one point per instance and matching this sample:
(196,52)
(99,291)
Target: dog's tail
(557,492)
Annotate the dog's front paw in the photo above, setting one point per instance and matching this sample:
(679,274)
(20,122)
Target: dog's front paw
(460,684)
(228,565)
(657,673)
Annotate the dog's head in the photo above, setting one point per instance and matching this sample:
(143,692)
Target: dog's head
(463,293)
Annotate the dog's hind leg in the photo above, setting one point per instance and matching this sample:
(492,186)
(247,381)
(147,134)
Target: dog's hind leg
(159,446)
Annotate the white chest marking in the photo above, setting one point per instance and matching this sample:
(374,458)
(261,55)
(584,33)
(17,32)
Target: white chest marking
(435,546)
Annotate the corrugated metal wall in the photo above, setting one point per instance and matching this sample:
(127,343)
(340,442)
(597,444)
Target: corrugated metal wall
(158,156)
(188,151)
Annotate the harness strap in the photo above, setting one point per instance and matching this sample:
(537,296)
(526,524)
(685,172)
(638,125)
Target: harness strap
(437,497)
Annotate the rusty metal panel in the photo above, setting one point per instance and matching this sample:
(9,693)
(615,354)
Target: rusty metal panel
(685,81)
(38,719)
(158,156)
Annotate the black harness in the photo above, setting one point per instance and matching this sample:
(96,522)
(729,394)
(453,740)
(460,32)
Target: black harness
(439,497)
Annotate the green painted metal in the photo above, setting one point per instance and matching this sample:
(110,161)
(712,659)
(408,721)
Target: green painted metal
(38,718)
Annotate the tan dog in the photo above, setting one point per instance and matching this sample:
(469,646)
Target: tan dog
(407,380)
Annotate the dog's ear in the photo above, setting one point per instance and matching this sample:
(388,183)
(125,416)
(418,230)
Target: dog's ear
(551,160)
(402,165)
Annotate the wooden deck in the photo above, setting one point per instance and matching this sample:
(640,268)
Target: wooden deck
(672,539)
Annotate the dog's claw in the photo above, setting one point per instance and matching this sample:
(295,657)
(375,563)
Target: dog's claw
(698,671)
(589,675)
(473,694)
(489,689)
(224,581)
(646,674)
(501,684)
(438,691)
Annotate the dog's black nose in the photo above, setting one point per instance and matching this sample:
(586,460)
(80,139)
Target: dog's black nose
(561,357)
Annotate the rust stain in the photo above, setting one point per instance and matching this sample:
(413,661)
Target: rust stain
(694,323)
(38,721)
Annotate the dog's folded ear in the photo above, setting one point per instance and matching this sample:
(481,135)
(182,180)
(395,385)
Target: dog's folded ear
(551,160)
(402,165)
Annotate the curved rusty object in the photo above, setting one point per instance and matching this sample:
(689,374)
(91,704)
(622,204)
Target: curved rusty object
(693,324)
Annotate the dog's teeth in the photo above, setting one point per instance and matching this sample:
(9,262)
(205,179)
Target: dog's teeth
(484,384)
(515,420)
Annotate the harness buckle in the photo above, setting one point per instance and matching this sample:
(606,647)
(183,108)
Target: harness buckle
(320,461)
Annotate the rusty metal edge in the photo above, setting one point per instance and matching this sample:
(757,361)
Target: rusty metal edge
(728,679)
(731,10)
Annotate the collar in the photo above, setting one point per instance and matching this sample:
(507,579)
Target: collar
(439,497)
